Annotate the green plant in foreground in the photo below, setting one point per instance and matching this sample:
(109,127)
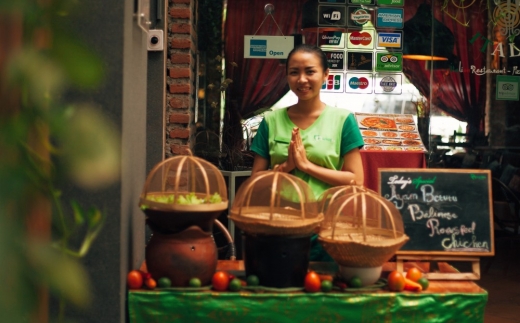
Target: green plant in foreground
(44,140)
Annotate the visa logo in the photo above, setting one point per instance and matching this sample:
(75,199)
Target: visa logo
(333,83)
(389,40)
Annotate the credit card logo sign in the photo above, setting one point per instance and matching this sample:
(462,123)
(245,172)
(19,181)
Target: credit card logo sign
(358,83)
(363,38)
(333,83)
(389,40)
(258,47)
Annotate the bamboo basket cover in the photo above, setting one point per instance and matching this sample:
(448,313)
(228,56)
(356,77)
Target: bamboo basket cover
(275,203)
(361,229)
(184,184)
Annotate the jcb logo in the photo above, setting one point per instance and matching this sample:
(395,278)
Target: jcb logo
(333,83)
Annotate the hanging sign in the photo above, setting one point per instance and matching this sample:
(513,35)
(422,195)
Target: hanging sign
(268,47)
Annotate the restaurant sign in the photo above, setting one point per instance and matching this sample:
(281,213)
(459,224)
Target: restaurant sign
(268,47)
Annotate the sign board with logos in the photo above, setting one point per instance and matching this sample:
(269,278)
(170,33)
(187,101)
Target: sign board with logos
(360,83)
(359,16)
(393,40)
(388,83)
(336,59)
(390,18)
(267,47)
(389,62)
(446,213)
(331,37)
(360,61)
(361,39)
(334,83)
(332,15)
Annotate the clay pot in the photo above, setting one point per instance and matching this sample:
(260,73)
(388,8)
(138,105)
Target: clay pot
(182,256)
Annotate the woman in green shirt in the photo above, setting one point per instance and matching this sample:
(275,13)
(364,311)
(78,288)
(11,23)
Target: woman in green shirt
(310,139)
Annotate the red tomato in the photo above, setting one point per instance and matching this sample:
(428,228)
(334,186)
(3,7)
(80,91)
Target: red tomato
(220,280)
(312,282)
(413,274)
(396,281)
(134,279)
(150,283)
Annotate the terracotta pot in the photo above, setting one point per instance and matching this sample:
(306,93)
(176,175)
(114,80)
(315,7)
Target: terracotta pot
(182,256)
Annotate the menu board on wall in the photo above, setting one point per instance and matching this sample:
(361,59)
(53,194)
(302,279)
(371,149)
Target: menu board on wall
(444,211)
(396,132)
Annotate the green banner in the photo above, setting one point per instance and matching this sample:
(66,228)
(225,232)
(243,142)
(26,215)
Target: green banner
(363,307)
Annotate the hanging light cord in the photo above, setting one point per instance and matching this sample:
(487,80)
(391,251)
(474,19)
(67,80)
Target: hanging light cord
(269,14)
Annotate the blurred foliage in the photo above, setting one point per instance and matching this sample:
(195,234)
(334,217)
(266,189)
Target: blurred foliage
(44,141)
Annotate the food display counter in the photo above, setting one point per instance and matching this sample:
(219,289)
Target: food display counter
(444,301)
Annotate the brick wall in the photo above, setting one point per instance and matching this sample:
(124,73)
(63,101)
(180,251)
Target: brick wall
(181,76)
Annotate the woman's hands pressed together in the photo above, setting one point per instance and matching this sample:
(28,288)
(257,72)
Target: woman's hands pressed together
(297,151)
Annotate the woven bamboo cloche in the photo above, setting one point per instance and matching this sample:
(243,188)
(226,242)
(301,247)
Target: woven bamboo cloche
(275,203)
(184,183)
(182,191)
(360,228)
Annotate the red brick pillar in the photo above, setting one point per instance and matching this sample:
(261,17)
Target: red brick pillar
(181,76)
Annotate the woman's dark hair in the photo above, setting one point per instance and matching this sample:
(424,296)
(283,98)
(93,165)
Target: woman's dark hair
(309,49)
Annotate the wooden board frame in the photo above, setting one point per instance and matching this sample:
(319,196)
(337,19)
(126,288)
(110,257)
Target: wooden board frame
(433,275)
(434,256)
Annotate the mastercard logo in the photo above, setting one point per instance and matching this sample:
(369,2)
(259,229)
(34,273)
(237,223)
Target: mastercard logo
(358,83)
(360,38)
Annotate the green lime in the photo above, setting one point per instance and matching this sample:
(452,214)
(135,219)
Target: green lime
(355,282)
(164,282)
(423,281)
(194,282)
(235,285)
(326,286)
(252,280)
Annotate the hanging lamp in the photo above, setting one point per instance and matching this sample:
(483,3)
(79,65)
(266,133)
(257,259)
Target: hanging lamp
(417,37)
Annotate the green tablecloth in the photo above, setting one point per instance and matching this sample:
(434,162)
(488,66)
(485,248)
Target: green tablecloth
(240,307)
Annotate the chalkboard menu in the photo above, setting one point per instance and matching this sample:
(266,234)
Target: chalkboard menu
(444,211)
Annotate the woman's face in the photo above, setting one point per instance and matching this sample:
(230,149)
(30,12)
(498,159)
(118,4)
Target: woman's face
(305,75)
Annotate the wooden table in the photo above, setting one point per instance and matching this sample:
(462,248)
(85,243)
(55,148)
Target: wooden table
(444,301)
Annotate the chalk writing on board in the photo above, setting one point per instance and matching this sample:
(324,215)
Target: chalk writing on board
(438,214)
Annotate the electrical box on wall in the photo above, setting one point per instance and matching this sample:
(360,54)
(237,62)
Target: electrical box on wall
(155,40)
